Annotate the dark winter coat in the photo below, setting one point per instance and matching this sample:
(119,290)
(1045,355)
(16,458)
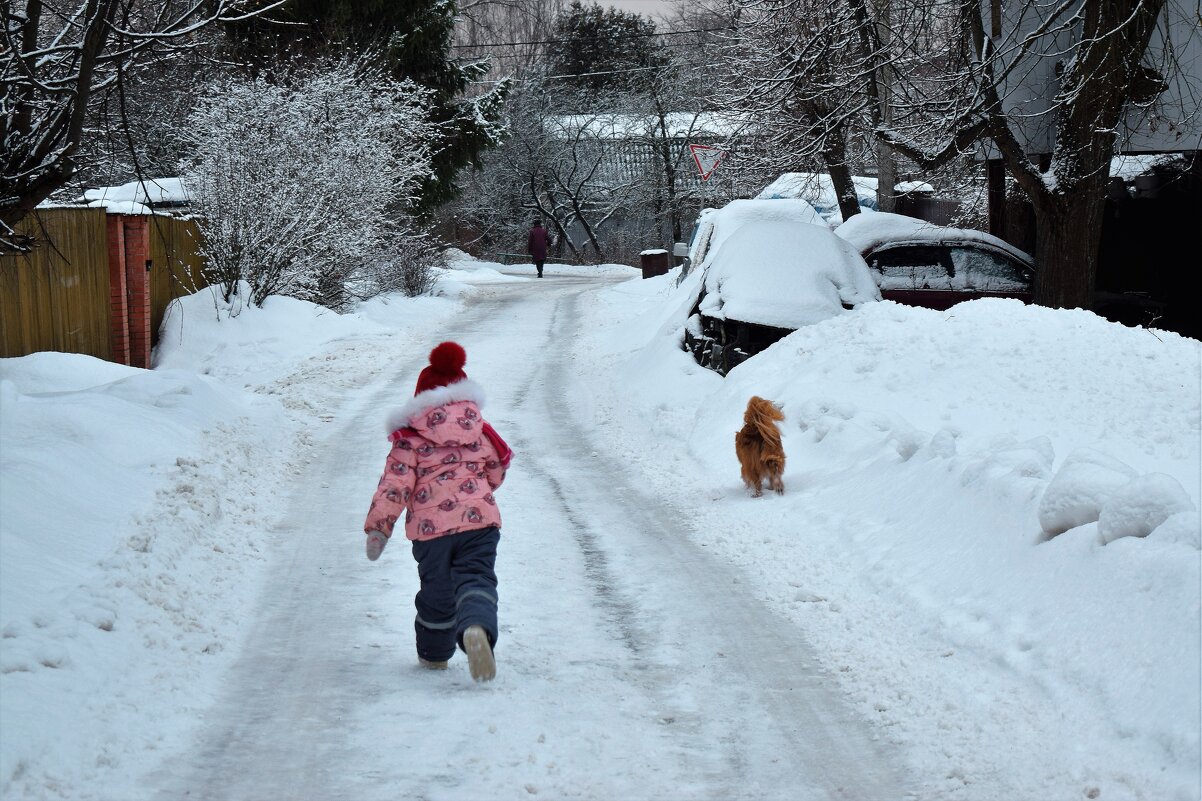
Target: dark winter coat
(536,243)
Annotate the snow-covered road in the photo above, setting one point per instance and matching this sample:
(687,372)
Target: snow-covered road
(631,663)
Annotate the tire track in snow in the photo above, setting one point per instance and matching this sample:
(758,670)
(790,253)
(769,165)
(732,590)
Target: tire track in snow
(834,752)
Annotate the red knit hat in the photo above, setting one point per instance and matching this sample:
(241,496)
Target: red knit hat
(446,367)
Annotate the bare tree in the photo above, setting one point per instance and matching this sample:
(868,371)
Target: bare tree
(598,147)
(511,34)
(1056,144)
(57,57)
(800,74)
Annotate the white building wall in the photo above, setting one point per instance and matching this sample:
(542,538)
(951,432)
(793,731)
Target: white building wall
(1172,123)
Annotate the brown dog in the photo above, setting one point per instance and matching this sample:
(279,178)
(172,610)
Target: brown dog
(758,446)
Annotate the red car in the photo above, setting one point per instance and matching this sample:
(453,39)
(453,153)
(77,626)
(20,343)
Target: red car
(923,264)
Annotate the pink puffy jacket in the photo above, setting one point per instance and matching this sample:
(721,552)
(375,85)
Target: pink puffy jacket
(443,467)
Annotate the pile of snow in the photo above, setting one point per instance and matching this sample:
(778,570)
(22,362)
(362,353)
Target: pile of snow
(715,226)
(129,530)
(784,275)
(990,526)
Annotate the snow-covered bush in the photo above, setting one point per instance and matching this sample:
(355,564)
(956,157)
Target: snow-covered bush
(411,266)
(302,182)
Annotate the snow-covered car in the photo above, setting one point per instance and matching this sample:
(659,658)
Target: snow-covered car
(765,280)
(923,264)
(714,226)
(817,189)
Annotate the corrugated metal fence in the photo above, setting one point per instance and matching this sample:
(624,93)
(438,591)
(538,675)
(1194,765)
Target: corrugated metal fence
(58,296)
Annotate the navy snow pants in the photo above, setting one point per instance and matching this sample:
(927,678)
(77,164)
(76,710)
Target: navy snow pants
(459,589)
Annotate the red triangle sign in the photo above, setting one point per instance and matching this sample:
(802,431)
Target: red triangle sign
(707,159)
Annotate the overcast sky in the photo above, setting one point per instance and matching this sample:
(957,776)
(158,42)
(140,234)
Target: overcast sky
(648,8)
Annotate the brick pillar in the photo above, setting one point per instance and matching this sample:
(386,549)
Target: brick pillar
(137,282)
(118,300)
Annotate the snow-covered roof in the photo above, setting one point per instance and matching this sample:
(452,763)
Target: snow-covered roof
(138,194)
(871,229)
(907,187)
(785,274)
(680,124)
(1128,167)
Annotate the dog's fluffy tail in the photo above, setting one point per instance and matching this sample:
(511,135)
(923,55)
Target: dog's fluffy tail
(763,414)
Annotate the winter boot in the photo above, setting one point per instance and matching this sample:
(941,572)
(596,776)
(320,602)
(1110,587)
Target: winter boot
(375,545)
(428,665)
(479,654)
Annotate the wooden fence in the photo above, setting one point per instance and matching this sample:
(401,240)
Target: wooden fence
(940,212)
(60,295)
(177,268)
(56,296)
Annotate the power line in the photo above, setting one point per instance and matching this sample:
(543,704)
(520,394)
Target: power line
(487,45)
(571,75)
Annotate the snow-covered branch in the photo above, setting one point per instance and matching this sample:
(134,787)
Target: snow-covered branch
(57,57)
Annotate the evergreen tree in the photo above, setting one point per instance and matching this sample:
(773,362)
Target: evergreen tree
(613,51)
(413,40)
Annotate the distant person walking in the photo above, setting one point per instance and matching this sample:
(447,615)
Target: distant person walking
(536,245)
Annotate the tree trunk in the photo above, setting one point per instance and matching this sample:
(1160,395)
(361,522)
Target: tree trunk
(663,146)
(1067,237)
(886,174)
(886,159)
(1069,213)
(834,154)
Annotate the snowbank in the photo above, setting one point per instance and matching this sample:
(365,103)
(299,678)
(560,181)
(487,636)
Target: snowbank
(932,457)
(128,530)
(136,515)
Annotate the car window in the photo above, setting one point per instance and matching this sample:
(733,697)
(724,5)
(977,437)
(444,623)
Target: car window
(988,271)
(913,267)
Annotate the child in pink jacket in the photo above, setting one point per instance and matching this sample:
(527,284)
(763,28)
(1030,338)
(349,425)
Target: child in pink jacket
(445,463)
